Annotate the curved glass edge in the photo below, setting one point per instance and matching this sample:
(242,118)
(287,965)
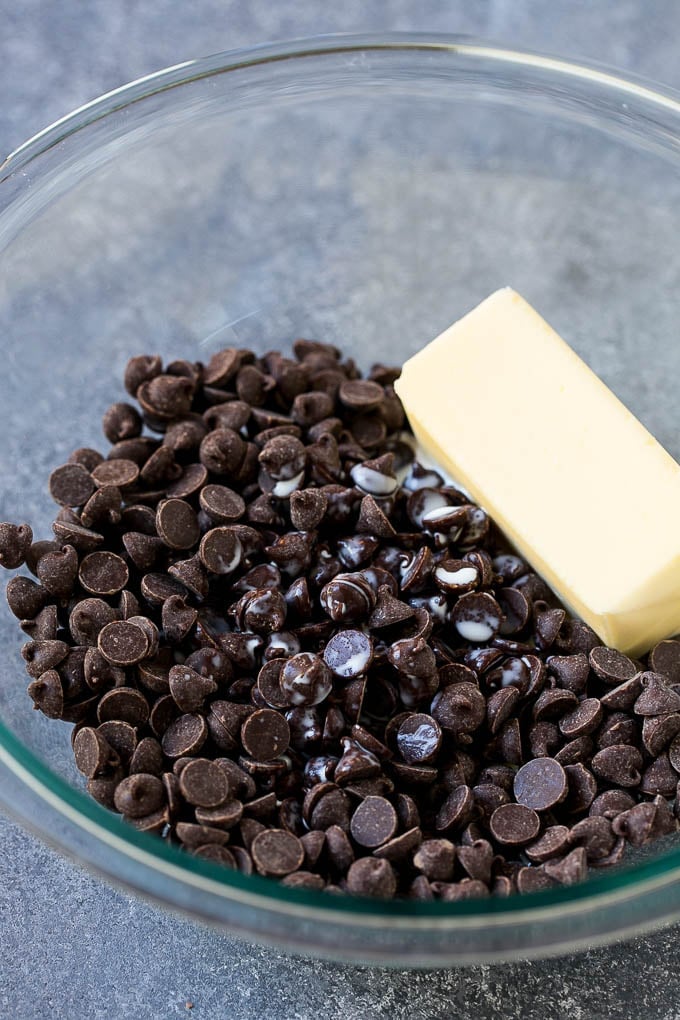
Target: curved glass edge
(625,884)
(602,75)
(628,883)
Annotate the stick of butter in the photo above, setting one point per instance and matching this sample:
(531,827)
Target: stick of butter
(583,491)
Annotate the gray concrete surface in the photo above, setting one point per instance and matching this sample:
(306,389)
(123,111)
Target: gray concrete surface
(70,946)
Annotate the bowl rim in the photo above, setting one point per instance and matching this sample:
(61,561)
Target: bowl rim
(465,46)
(626,883)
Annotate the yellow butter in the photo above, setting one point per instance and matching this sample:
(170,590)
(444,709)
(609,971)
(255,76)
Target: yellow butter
(589,498)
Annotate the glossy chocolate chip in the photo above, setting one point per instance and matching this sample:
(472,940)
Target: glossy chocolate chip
(306,679)
(419,739)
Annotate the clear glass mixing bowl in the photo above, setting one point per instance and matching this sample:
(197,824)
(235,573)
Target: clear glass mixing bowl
(365,191)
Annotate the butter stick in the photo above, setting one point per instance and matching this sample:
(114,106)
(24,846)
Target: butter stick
(588,497)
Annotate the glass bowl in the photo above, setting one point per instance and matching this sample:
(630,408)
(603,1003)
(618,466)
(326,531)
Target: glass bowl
(365,191)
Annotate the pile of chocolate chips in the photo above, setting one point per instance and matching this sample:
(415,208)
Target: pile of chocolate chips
(281,657)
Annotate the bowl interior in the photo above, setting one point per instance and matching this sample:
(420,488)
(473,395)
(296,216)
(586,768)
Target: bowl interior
(365,197)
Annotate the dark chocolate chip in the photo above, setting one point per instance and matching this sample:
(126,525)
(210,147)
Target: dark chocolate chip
(540,784)
(514,824)
(185,735)
(177,524)
(277,852)
(611,666)
(265,734)
(139,795)
(618,764)
(372,876)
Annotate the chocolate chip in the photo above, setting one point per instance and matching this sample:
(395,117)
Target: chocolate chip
(349,653)
(554,842)
(93,755)
(43,655)
(139,795)
(568,870)
(71,485)
(372,876)
(222,367)
(658,732)
(185,735)
(166,396)
(86,456)
(636,824)
(121,473)
(121,421)
(44,626)
(47,694)
(57,571)
(582,720)
(419,739)
(177,524)
(226,815)
(618,728)
(618,764)
(189,688)
(477,617)
(514,824)
(265,734)
(540,784)
(186,575)
(123,643)
(15,543)
(339,849)
(657,697)
(307,508)
(222,452)
(665,658)
(611,803)
(553,704)
(459,708)
(124,704)
(103,573)
(456,811)
(624,695)
(141,369)
(373,520)
(25,598)
(262,611)
(659,777)
(88,619)
(147,757)
(571,671)
(582,788)
(435,858)
(611,666)
(277,852)
(374,822)
(348,598)
(332,808)
(477,860)
(121,736)
(203,783)
(306,679)
(221,504)
(178,619)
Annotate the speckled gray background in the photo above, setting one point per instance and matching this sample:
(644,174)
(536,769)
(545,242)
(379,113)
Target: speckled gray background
(71,946)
